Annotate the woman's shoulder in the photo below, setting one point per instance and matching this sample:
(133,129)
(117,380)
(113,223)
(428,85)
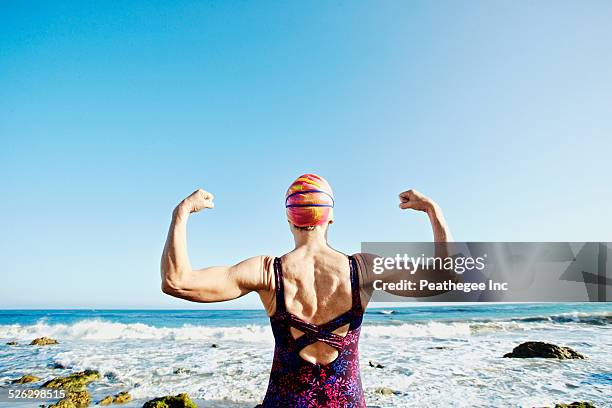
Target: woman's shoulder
(364,259)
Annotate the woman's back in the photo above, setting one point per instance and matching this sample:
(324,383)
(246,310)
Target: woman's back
(316,325)
(317,288)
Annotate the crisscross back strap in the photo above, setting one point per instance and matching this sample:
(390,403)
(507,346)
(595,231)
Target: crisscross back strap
(280,288)
(331,339)
(323,333)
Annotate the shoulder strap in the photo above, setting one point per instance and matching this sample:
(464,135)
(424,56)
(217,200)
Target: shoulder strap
(280,288)
(356,297)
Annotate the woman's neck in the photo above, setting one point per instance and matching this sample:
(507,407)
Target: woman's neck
(310,239)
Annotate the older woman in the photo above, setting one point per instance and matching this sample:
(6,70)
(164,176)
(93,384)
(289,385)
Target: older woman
(312,294)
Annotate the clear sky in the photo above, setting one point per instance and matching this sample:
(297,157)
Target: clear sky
(111,112)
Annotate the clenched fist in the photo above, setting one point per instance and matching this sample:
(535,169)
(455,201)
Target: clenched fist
(197,201)
(414,200)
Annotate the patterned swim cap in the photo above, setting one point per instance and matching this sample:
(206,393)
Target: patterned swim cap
(309,201)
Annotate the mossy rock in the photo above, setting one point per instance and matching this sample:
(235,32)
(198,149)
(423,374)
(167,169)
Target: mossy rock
(74,399)
(76,381)
(122,397)
(171,401)
(25,379)
(43,341)
(79,398)
(106,400)
(12,343)
(539,349)
(63,403)
(576,405)
(385,391)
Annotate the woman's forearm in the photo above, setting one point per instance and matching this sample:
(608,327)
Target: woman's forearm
(440,229)
(175,265)
(441,232)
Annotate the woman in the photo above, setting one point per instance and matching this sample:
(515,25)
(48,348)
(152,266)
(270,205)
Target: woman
(312,294)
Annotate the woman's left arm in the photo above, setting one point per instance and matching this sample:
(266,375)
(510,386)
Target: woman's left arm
(213,284)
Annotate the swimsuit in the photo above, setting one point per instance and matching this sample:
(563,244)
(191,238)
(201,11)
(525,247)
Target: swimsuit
(297,383)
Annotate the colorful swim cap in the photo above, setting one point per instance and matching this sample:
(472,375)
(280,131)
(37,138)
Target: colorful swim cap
(309,201)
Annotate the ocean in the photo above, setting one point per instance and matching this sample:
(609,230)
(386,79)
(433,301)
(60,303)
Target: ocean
(433,356)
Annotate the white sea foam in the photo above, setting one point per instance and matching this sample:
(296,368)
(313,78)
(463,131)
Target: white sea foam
(95,329)
(103,330)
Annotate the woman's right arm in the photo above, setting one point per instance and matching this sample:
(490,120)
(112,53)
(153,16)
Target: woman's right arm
(212,284)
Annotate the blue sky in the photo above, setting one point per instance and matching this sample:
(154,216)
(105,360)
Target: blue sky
(111,112)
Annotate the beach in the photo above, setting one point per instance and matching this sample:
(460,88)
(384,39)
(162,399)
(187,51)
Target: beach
(450,356)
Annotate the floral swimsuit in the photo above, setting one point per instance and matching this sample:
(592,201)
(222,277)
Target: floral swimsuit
(297,383)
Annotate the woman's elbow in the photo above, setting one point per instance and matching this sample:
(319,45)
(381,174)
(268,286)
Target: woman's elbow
(172,287)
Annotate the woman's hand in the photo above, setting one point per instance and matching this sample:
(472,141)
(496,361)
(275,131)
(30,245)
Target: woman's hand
(197,201)
(414,200)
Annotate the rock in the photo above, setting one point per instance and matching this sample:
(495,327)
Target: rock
(169,401)
(575,405)
(57,366)
(106,400)
(12,343)
(214,345)
(385,391)
(538,349)
(182,370)
(76,381)
(375,364)
(25,379)
(79,398)
(122,397)
(43,341)
(75,399)
(63,403)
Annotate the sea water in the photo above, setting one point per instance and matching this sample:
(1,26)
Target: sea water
(434,356)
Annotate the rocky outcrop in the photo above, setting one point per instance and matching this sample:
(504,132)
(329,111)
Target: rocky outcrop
(79,398)
(12,343)
(76,381)
(171,401)
(43,341)
(539,349)
(26,379)
(120,398)
(74,399)
(375,364)
(63,403)
(576,405)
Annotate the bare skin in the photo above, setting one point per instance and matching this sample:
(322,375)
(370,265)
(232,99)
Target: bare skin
(316,276)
